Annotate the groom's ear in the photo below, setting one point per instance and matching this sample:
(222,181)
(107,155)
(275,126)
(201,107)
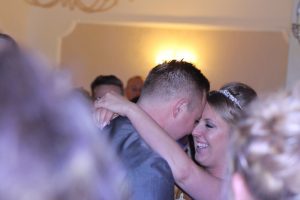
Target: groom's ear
(240,188)
(179,107)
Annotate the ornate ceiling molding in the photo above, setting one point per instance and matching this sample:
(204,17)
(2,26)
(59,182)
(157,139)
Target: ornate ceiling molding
(88,6)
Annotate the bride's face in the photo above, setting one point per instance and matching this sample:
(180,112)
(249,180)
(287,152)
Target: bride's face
(211,138)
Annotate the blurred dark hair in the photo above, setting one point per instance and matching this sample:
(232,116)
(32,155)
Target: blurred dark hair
(7,43)
(106,80)
(49,147)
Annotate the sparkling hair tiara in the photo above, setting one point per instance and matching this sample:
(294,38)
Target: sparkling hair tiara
(227,94)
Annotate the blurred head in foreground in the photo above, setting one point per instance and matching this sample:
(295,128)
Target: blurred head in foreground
(267,149)
(49,148)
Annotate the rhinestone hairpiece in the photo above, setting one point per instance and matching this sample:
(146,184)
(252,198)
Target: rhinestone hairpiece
(227,94)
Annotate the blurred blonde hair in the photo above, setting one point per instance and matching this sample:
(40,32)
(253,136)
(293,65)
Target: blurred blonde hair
(267,147)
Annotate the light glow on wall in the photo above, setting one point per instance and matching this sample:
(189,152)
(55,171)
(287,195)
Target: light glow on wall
(167,55)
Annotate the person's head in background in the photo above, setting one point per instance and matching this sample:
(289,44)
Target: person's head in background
(221,113)
(174,95)
(134,87)
(49,147)
(266,149)
(106,83)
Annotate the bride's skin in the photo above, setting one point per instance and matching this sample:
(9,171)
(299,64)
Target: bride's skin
(197,182)
(211,139)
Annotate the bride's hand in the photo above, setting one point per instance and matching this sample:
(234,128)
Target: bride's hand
(109,106)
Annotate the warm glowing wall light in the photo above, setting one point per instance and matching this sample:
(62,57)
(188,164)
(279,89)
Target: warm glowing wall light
(167,55)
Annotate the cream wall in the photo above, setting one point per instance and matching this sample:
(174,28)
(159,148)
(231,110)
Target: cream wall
(256,58)
(14,19)
(44,30)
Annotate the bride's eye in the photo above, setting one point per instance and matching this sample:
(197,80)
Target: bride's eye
(209,125)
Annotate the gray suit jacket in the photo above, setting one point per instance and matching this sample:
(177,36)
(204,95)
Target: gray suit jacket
(148,174)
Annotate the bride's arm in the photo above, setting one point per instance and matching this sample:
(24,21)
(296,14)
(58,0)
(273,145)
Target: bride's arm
(194,180)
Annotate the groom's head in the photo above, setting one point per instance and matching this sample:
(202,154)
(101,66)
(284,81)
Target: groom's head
(174,95)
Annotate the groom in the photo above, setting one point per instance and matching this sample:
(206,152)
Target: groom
(174,95)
